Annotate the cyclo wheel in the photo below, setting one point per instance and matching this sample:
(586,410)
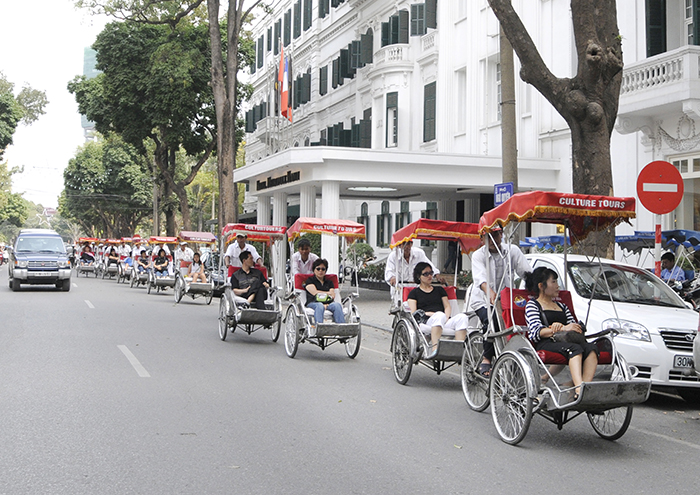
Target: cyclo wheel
(474,386)
(401,353)
(223,317)
(276,326)
(291,332)
(613,423)
(352,345)
(178,290)
(209,296)
(510,395)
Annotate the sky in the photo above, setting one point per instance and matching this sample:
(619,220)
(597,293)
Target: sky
(42,44)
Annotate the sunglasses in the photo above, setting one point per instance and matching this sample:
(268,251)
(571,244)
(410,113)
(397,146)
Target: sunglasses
(427,274)
(320,269)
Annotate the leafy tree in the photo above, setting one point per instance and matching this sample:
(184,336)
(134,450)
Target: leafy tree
(13,207)
(107,188)
(154,87)
(588,101)
(25,108)
(231,49)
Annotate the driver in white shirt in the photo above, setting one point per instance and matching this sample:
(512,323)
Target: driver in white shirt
(231,258)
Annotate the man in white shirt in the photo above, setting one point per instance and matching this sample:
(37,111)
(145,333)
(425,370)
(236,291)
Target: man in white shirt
(183,253)
(486,284)
(231,258)
(401,270)
(303,259)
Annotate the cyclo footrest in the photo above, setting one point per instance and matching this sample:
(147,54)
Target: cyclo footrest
(337,329)
(258,316)
(601,396)
(449,350)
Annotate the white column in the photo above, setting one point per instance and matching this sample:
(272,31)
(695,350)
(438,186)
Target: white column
(263,210)
(279,217)
(330,208)
(307,201)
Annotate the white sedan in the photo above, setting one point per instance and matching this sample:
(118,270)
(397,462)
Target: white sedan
(657,329)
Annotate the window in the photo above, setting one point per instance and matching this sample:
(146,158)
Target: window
(656,27)
(323,80)
(356,55)
(498,92)
(397,29)
(404,217)
(336,74)
(418,19)
(364,216)
(429,109)
(269,39)
(307,14)
(323,8)
(261,51)
(384,229)
(392,120)
(366,129)
(278,30)
(687,215)
(431,14)
(689,21)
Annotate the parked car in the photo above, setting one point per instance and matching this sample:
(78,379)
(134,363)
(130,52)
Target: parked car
(39,258)
(657,328)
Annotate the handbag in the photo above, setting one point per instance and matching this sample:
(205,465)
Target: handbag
(420,316)
(570,336)
(324,298)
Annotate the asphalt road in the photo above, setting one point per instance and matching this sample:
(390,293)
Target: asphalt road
(106,389)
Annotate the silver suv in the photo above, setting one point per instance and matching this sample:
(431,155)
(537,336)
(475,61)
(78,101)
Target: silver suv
(39,258)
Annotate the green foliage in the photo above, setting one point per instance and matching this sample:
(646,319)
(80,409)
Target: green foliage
(314,239)
(464,278)
(24,108)
(13,207)
(107,188)
(361,250)
(373,272)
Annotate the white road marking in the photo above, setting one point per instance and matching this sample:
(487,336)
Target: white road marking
(74,284)
(666,437)
(658,187)
(89,304)
(134,362)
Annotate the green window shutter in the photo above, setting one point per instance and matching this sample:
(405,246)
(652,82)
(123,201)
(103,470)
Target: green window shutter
(269,39)
(297,19)
(307,14)
(431,14)
(288,27)
(356,55)
(261,51)
(323,80)
(696,22)
(404,26)
(429,110)
(335,73)
(365,134)
(656,26)
(418,19)
(394,29)
(346,138)
(366,48)
(323,8)
(278,35)
(345,63)
(329,134)
(306,97)
(335,3)
(254,64)
(386,34)
(355,139)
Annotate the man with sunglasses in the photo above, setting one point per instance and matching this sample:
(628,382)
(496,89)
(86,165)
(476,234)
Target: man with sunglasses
(320,293)
(484,293)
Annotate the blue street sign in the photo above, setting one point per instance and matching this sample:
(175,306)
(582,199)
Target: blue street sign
(502,192)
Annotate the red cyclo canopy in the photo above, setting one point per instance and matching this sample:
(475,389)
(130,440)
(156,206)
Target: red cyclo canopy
(203,237)
(467,234)
(158,239)
(254,232)
(582,213)
(344,228)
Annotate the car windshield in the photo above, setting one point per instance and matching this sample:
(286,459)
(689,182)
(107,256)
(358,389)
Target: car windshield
(622,283)
(48,245)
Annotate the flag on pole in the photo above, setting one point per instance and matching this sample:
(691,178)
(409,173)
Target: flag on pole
(283,78)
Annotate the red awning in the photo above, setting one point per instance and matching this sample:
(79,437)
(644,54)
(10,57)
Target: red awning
(439,230)
(203,237)
(158,239)
(344,228)
(580,212)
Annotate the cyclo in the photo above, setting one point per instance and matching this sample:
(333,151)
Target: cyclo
(124,269)
(300,324)
(235,311)
(183,283)
(524,381)
(83,267)
(162,282)
(409,345)
(139,277)
(104,267)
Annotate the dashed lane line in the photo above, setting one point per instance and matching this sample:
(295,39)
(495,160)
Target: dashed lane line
(134,362)
(89,304)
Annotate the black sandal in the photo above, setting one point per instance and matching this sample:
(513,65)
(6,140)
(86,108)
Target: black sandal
(485,370)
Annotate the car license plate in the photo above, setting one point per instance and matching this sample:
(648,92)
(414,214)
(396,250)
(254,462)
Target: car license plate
(682,361)
(43,274)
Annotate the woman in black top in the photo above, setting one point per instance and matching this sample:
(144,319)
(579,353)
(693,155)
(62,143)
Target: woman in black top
(113,257)
(432,299)
(161,264)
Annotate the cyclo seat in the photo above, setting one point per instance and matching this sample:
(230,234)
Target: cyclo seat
(451,297)
(520,298)
(242,300)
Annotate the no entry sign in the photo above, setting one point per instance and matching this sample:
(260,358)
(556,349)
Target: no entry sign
(660,187)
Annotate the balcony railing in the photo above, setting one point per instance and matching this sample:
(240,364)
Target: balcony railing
(664,69)
(392,54)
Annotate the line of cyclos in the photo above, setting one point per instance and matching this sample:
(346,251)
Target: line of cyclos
(157,263)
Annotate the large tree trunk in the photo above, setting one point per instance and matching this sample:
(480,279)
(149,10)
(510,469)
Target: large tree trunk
(589,101)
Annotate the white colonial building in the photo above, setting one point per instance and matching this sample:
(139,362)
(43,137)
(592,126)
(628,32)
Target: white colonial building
(396,109)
